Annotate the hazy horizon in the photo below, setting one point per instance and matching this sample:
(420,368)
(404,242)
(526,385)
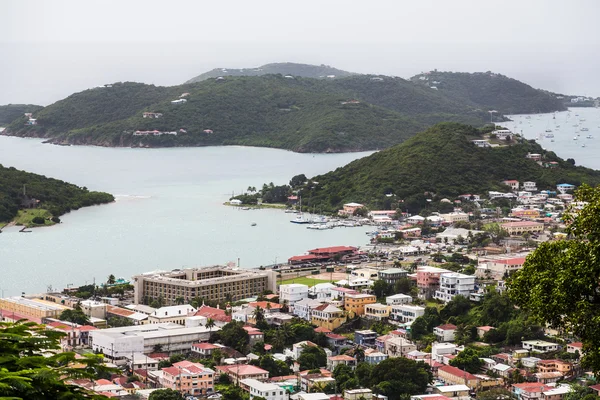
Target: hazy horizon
(53,49)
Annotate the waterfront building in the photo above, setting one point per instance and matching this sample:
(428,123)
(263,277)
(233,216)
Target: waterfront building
(215,283)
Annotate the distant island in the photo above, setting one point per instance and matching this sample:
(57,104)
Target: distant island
(304,114)
(34,200)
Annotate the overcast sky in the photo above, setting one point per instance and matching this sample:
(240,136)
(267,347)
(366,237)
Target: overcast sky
(50,49)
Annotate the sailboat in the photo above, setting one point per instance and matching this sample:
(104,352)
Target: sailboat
(300,218)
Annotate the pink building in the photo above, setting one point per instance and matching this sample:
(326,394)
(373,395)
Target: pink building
(188,378)
(428,280)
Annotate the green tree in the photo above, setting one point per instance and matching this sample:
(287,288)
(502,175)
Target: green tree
(75,316)
(418,328)
(111,279)
(165,394)
(344,377)
(210,324)
(558,283)
(312,357)
(403,285)
(381,288)
(467,360)
(234,335)
(399,376)
(363,373)
(26,374)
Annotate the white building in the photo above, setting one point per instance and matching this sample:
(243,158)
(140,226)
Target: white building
(398,299)
(268,391)
(439,350)
(303,308)
(445,333)
(292,293)
(175,314)
(539,346)
(321,291)
(453,284)
(406,313)
(455,217)
(529,186)
(118,343)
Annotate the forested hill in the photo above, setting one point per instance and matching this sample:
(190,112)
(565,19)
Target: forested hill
(300,114)
(352,113)
(490,91)
(56,196)
(294,69)
(10,112)
(92,107)
(442,162)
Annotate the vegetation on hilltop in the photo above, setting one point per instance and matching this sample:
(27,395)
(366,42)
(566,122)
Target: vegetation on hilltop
(56,196)
(490,91)
(294,69)
(10,112)
(93,107)
(440,162)
(353,113)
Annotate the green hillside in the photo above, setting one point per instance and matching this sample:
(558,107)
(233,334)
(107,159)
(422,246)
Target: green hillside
(93,107)
(55,196)
(10,112)
(294,69)
(269,111)
(490,91)
(352,113)
(443,162)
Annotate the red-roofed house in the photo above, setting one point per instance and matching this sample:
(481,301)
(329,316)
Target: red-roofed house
(575,346)
(497,267)
(342,359)
(529,390)
(321,329)
(204,349)
(445,333)
(456,376)
(242,371)
(254,334)
(482,330)
(188,378)
(216,314)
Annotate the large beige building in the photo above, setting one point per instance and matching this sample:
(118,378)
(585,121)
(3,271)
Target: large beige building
(211,283)
(35,308)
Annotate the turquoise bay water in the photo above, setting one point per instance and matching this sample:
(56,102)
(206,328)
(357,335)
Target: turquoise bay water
(169,211)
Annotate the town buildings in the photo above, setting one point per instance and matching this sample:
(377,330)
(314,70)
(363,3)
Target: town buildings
(212,283)
(355,303)
(291,293)
(521,227)
(267,391)
(327,316)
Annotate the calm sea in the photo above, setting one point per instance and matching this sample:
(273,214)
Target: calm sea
(169,211)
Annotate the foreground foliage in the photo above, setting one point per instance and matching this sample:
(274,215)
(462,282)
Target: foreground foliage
(29,370)
(558,283)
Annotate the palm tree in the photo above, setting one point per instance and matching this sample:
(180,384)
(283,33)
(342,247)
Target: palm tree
(279,339)
(179,300)
(258,315)
(358,353)
(462,334)
(210,323)
(111,279)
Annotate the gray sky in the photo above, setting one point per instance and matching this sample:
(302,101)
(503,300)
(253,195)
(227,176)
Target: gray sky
(50,49)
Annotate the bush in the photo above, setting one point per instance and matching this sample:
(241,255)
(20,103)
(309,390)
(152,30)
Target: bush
(38,220)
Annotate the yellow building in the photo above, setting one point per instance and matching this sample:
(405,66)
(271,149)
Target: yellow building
(377,311)
(31,307)
(328,316)
(355,304)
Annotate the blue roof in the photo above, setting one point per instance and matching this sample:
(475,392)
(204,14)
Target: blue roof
(564,184)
